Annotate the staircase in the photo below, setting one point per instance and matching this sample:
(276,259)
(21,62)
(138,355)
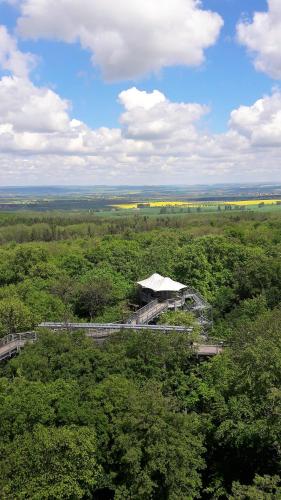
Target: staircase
(199,306)
(153,309)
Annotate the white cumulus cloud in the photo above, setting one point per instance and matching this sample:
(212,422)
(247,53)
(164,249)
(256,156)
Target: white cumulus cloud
(151,116)
(134,98)
(158,141)
(262,37)
(29,108)
(127,38)
(11,58)
(261,122)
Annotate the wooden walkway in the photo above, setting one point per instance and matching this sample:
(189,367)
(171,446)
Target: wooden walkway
(12,344)
(190,300)
(154,308)
(113,327)
(148,313)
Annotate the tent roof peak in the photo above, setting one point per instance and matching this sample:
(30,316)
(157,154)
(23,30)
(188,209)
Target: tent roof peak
(159,283)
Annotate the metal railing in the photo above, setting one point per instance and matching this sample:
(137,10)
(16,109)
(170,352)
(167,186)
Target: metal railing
(194,294)
(113,327)
(148,307)
(12,343)
(154,308)
(18,337)
(146,315)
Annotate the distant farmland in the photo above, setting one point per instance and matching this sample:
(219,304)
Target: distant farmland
(195,204)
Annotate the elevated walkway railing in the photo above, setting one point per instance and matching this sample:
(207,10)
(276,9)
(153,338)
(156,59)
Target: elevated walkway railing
(103,331)
(148,312)
(12,343)
(196,296)
(113,327)
(154,308)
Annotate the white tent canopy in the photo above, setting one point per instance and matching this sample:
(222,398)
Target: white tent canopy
(158,283)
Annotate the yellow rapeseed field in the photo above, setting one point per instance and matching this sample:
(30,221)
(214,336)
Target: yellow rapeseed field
(155,204)
(126,205)
(251,202)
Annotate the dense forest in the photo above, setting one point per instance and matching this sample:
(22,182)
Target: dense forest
(140,417)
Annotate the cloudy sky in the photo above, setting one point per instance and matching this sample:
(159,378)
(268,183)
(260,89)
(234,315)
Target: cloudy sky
(140,91)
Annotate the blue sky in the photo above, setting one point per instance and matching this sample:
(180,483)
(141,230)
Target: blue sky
(227,79)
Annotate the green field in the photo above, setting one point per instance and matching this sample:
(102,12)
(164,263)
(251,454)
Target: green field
(102,199)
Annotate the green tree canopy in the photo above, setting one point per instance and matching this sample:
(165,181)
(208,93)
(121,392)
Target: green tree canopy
(15,316)
(49,463)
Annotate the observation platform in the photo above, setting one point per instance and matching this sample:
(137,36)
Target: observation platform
(159,295)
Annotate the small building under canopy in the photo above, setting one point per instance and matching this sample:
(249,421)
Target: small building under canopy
(160,287)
